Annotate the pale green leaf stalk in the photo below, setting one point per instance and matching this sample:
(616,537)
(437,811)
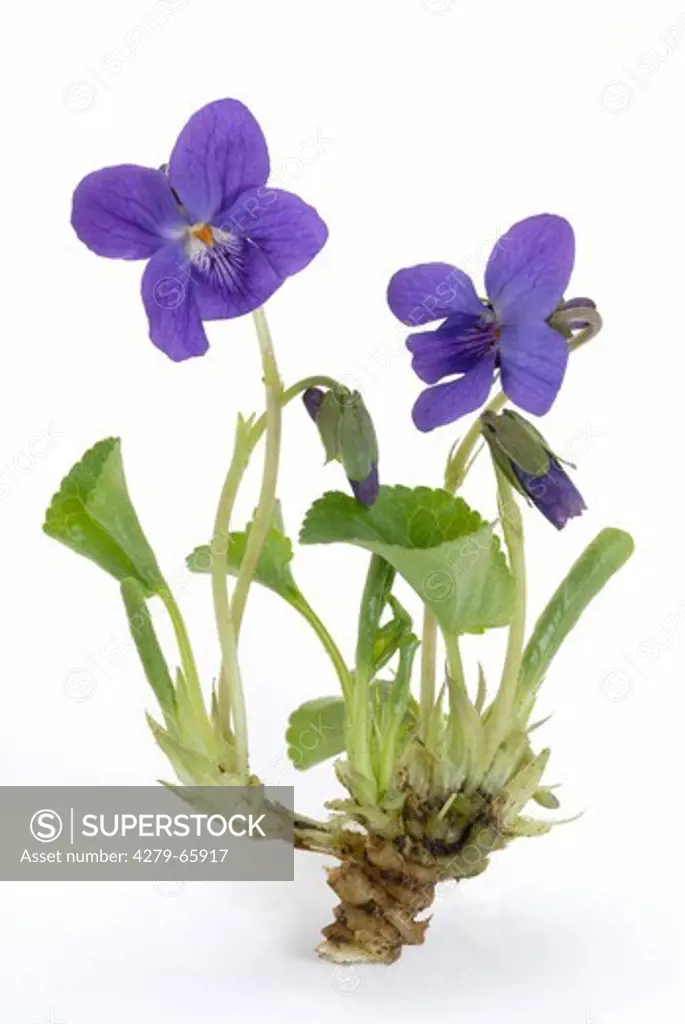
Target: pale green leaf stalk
(379,580)
(500,712)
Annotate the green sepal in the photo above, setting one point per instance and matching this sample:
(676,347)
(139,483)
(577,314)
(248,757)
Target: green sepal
(358,444)
(93,515)
(328,421)
(517,440)
(147,645)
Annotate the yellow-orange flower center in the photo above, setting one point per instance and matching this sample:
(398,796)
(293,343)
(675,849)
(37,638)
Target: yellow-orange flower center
(203,232)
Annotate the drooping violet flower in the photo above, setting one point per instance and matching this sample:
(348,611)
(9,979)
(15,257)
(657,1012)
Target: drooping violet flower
(219,241)
(348,437)
(554,493)
(525,279)
(524,456)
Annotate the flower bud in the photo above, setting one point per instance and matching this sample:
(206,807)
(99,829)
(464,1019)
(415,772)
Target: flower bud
(348,436)
(522,454)
(578,314)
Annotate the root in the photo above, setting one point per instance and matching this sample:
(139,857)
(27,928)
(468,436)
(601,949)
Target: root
(381,897)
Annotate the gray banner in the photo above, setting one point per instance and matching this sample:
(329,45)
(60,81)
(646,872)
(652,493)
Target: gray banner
(146,833)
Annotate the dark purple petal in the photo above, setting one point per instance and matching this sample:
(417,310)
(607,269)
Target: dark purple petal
(126,212)
(366,491)
(168,295)
(553,493)
(233,279)
(431,291)
(288,231)
(220,153)
(533,360)
(312,398)
(529,269)
(447,402)
(453,348)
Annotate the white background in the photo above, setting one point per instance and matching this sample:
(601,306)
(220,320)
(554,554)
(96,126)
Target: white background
(420,130)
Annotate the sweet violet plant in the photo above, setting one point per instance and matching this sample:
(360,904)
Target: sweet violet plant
(435,782)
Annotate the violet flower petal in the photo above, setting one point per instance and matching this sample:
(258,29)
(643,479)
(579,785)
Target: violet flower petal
(288,231)
(533,359)
(312,398)
(455,347)
(529,269)
(553,493)
(431,291)
(366,491)
(220,153)
(447,402)
(126,212)
(231,283)
(168,295)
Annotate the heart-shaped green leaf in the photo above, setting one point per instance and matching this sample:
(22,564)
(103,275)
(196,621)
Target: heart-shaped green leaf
(445,550)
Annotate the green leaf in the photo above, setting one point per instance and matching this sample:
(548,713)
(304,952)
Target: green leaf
(273,570)
(316,732)
(391,634)
(443,549)
(546,798)
(147,645)
(191,767)
(93,515)
(601,559)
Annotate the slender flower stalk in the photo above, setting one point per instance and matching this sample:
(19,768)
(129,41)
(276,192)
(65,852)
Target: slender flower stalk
(458,466)
(219,545)
(230,690)
(429,641)
(329,644)
(267,498)
(512,526)
(465,725)
(455,473)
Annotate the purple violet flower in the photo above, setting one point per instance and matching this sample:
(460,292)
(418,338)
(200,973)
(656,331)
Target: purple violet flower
(553,493)
(525,279)
(524,456)
(219,241)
